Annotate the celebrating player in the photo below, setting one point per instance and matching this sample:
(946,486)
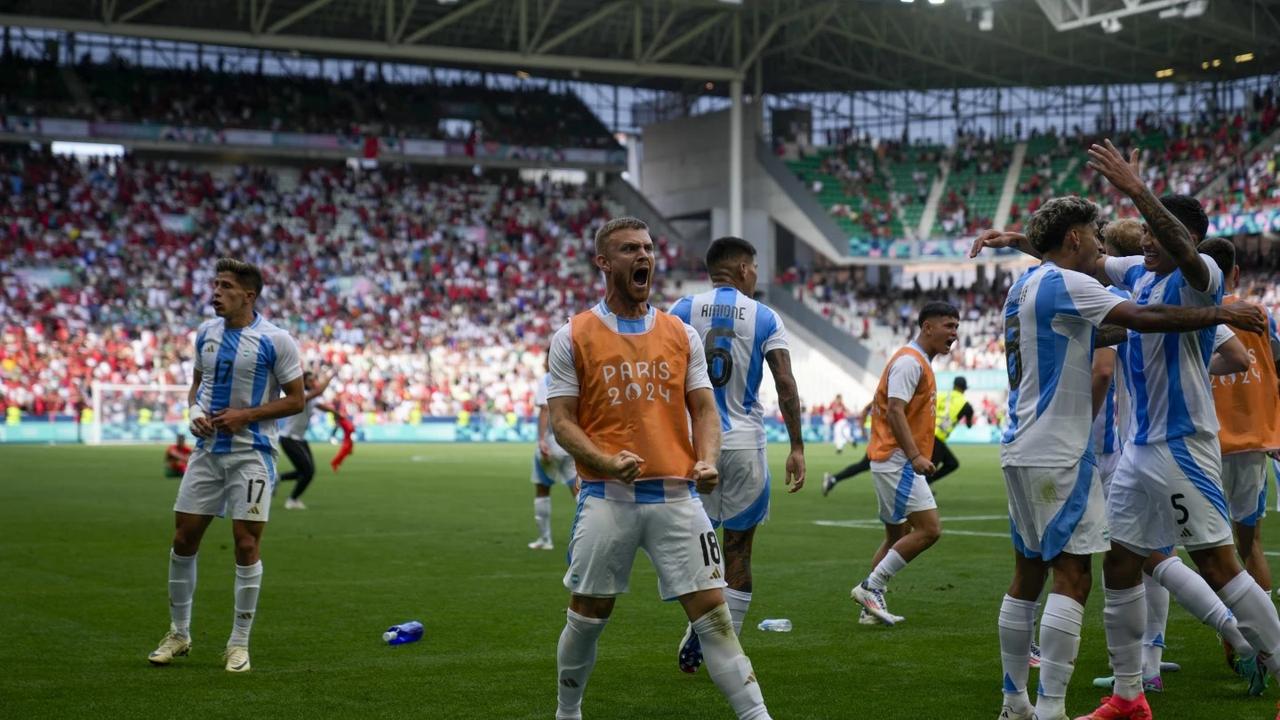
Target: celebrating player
(1055,499)
(293,440)
(242,364)
(902,437)
(550,464)
(740,335)
(175,457)
(1248,412)
(627,384)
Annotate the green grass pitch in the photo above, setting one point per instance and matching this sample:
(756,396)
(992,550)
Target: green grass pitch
(438,533)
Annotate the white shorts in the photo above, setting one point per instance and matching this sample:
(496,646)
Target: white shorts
(1244,482)
(557,468)
(675,533)
(1170,494)
(1108,463)
(1055,510)
(239,482)
(901,492)
(741,499)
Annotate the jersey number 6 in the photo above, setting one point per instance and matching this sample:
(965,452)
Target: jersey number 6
(719,359)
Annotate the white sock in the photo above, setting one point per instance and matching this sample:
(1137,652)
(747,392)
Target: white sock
(1017,623)
(1124,618)
(575,658)
(728,667)
(248,583)
(182,590)
(1059,643)
(739,602)
(1191,591)
(1255,616)
(884,572)
(1157,620)
(542,515)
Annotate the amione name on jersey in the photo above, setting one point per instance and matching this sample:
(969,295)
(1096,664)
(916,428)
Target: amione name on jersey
(1167,374)
(1050,318)
(540,402)
(737,333)
(241,368)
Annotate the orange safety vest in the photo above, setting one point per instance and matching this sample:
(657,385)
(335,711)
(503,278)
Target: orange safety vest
(921,411)
(1247,402)
(631,393)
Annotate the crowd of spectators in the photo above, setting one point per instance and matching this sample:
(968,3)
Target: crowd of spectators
(426,295)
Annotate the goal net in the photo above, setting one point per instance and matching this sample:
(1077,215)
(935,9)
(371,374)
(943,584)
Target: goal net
(137,413)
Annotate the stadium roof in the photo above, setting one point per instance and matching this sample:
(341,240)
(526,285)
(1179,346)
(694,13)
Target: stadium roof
(803,45)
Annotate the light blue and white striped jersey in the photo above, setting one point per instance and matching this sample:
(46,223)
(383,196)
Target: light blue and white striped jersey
(1167,374)
(1112,418)
(737,332)
(1050,318)
(239,368)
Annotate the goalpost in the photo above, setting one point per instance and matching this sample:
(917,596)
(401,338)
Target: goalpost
(137,413)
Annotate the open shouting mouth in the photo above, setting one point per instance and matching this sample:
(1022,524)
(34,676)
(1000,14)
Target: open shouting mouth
(640,277)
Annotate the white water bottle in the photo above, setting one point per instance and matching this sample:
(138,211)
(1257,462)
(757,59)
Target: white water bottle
(775,625)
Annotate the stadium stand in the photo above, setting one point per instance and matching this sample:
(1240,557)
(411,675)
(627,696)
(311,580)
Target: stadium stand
(427,295)
(362,104)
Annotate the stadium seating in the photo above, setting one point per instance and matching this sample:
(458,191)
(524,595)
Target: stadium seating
(427,295)
(365,103)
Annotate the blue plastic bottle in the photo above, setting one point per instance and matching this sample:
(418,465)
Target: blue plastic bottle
(403,633)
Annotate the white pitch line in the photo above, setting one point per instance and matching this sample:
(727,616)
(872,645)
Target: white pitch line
(876,525)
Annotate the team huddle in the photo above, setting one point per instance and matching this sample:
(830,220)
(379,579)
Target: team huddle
(1118,442)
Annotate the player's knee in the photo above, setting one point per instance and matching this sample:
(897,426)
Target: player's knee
(246,548)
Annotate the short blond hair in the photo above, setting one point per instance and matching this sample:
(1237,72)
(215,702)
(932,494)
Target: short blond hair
(615,225)
(1123,237)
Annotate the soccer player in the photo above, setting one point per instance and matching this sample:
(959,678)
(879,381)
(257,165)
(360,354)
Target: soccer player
(902,437)
(175,457)
(1248,410)
(1163,573)
(952,409)
(348,435)
(631,401)
(841,428)
(1050,321)
(293,440)
(740,336)
(242,364)
(550,464)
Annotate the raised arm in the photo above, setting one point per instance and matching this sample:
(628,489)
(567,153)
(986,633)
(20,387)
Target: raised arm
(1171,318)
(789,402)
(1172,235)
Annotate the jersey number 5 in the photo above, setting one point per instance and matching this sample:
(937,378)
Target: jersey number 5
(719,359)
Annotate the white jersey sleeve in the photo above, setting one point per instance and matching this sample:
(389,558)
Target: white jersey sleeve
(695,377)
(1124,271)
(540,392)
(1091,301)
(778,339)
(904,376)
(563,378)
(1214,291)
(1221,336)
(288,366)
